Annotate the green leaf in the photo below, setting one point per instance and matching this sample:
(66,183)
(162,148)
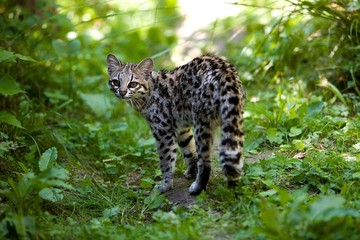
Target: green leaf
(57,172)
(356,175)
(154,200)
(8,85)
(146,142)
(270,217)
(274,136)
(59,183)
(74,47)
(118,126)
(268,193)
(24,225)
(294,131)
(6,55)
(51,194)
(56,95)
(299,144)
(25,58)
(315,108)
(110,212)
(320,208)
(147,183)
(8,118)
(48,159)
(97,102)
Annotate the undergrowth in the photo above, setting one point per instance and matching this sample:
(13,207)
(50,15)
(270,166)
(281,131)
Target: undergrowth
(78,164)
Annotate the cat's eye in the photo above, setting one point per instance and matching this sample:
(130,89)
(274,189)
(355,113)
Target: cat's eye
(132,84)
(115,83)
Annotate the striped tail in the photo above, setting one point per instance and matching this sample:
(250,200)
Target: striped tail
(232,100)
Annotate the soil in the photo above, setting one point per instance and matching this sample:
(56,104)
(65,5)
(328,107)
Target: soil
(179,195)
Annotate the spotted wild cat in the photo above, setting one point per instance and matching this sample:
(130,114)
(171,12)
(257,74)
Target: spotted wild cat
(198,96)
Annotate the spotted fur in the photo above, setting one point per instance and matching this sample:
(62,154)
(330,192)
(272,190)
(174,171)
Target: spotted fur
(184,106)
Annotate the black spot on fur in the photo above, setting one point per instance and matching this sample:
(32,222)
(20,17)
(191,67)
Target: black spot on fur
(205,135)
(228,142)
(228,129)
(165,151)
(186,141)
(232,112)
(205,148)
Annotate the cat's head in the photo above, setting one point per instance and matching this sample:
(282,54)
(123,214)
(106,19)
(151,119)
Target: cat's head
(129,80)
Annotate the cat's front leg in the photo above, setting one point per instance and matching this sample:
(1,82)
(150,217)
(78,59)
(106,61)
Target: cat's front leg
(167,155)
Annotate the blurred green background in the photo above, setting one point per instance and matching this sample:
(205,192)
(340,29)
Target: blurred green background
(70,150)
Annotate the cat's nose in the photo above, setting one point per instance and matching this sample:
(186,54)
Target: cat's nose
(122,93)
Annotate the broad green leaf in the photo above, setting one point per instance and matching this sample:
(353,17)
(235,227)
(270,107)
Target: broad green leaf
(154,200)
(57,172)
(146,142)
(6,117)
(260,109)
(51,194)
(147,183)
(321,207)
(6,55)
(294,131)
(110,212)
(8,85)
(299,144)
(271,134)
(315,108)
(59,183)
(256,171)
(119,126)
(252,141)
(25,58)
(274,136)
(356,175)
(268,193)
(98,103)
(48,159)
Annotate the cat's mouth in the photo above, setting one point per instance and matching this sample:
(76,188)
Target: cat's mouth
(124,98)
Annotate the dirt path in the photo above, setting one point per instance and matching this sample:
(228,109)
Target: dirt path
(179,195)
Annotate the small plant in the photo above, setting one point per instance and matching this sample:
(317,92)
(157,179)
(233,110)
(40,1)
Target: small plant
(26,194)
(300,217)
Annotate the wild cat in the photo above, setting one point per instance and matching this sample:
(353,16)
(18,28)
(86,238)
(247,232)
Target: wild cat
(185,106)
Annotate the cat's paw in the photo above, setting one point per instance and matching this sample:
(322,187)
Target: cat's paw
(195,188)
(164,187)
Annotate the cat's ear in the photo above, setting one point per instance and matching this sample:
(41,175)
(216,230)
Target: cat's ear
(146,66)
(113,63)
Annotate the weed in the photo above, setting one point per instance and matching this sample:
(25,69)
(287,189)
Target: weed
(77,163)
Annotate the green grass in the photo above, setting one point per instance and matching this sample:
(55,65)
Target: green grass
(75,163)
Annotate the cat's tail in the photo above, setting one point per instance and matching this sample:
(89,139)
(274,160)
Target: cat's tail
(232,100)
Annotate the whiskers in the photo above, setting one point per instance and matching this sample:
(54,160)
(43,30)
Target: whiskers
(137,103)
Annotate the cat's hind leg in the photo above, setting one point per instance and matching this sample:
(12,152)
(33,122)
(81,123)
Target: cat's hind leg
(186,142)
(204,131)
